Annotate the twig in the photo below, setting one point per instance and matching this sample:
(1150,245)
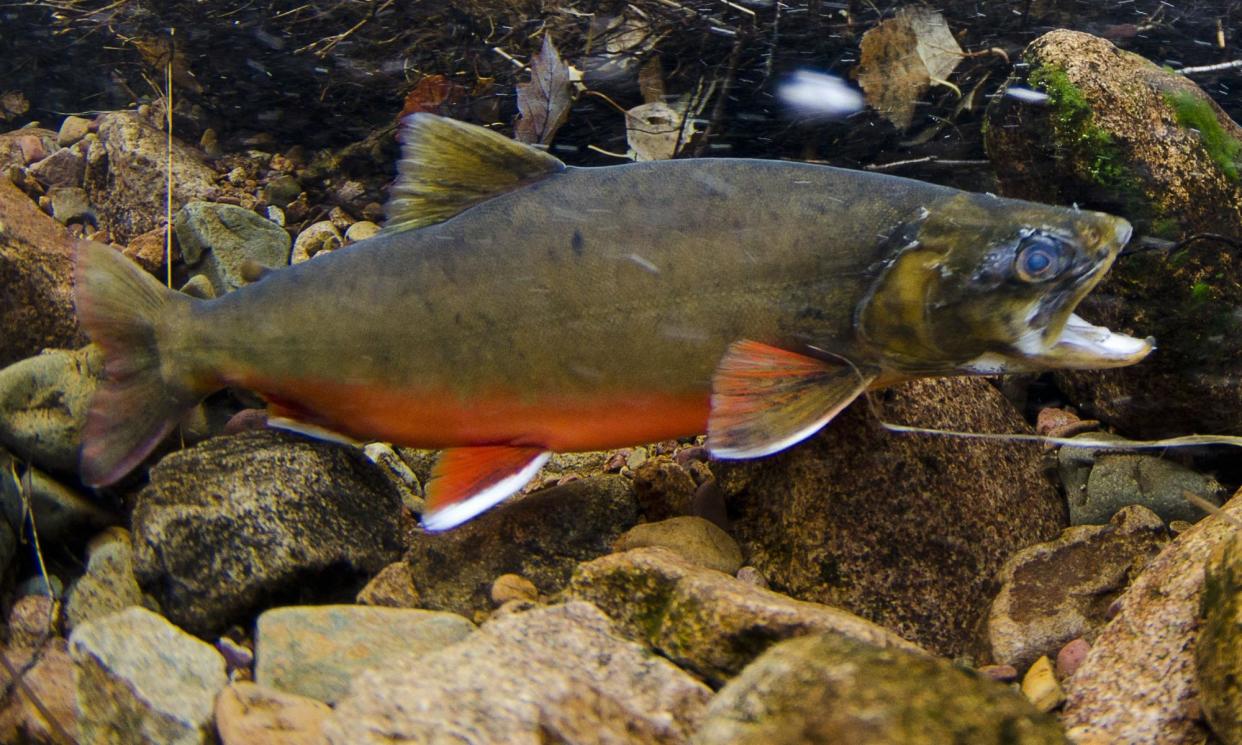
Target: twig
(918,161)
(1235,64)
(323,46)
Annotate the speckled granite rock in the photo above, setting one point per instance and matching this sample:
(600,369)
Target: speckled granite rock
(905,530)
(43,403)
(1137,684)
(695,539)
(108,586)
(1054,592)
(830,689)
(249,714)
(142,680)
(125,178)
(541,536)
(1218,650)
(238,522)
(552,675)
(314,650)
(706,621)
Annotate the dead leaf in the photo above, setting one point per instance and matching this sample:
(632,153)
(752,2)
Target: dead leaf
(543,103)
(430,95)
(654,131)
(902,57)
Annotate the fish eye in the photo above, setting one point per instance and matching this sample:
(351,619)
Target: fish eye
(1039,257)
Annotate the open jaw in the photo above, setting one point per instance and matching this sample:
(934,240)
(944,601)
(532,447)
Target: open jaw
(1083,345)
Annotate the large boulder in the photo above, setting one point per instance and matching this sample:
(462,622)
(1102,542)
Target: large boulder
(907,531)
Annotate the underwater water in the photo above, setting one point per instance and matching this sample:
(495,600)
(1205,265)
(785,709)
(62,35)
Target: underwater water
(589,372)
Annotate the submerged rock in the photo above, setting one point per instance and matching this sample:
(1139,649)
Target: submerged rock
(109,585)
(36,270)
(1122,134)
(236,523)
(43,404)
(828,688)
(706,621)
(314,651)
(250,714)
(695,539)
(222,240)
(59,513)
(559,674)
(1138,684)
(126,178)
(1052,593)
(51,680)
(905,530)
(1120,479)
(541,536)
(1218,651)
(142,680)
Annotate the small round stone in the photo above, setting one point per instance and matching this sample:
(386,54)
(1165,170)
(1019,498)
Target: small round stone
(509,587)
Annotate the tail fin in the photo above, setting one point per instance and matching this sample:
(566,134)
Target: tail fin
(119,306)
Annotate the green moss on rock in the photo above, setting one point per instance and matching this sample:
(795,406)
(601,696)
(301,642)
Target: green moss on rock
(1074,129)
(1194,112)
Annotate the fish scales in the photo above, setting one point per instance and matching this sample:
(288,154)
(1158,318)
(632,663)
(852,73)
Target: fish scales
(513,306)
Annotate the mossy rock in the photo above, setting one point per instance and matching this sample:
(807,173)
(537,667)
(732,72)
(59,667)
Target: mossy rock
(1121,134)
(1218,652)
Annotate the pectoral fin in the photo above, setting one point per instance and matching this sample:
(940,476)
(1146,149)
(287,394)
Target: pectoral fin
(765,399)
(467,481)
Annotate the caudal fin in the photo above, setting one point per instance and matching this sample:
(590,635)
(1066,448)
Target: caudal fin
(119,306)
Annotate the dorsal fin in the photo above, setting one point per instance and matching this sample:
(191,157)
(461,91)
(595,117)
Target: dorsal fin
(447,166)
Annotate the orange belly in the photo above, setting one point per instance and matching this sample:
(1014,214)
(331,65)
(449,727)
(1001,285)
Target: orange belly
(439,419)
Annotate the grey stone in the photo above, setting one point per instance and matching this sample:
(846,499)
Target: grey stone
(552,675)
(65,167)
(109,585)
(907,531)
(1055,592)
(706,621)
(1121,479)
(695,539)
(72,129)
(315,238)
(222,238)
(281,190)
(43,405)
(230,525)
(541,536)
(831,689)
(314,651)
(1138,684)
(126,177)
(142,680)
(59,513)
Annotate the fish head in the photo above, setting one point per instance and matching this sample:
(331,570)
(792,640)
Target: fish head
(987,285)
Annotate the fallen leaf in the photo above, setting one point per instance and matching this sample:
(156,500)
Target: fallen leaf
(902,57)
(430,95)
(655,131)
(543,103)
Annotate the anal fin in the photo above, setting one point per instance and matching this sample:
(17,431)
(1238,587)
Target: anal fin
(467,481)
(765,399)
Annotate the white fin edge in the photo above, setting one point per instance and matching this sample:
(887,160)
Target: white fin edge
(313,431)
(788,441)
(462,510)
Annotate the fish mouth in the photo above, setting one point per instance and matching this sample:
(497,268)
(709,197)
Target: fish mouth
(1083,345)
(1080,344)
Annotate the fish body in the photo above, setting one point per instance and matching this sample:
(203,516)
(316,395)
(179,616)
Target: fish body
(514,306)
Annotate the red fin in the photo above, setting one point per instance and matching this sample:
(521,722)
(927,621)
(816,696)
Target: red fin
(467,481)
(765,399)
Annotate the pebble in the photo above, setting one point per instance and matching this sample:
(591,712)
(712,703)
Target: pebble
(752,576)
(1000,673)
(314,651)
(63,168)
(51,680)
(250,714)
(664,488)
(70,204)
(513,587)
(340,218)
(109,584)
(72,129)
(281,190)
(360,231)
(693,538)
(320,236)
(1071,657)
(1040,686)
(60,513)
(220,239)
(393,587)
(139,675)
(33,620)
(150,251)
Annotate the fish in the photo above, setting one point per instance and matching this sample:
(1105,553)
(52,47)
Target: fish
(513,306)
